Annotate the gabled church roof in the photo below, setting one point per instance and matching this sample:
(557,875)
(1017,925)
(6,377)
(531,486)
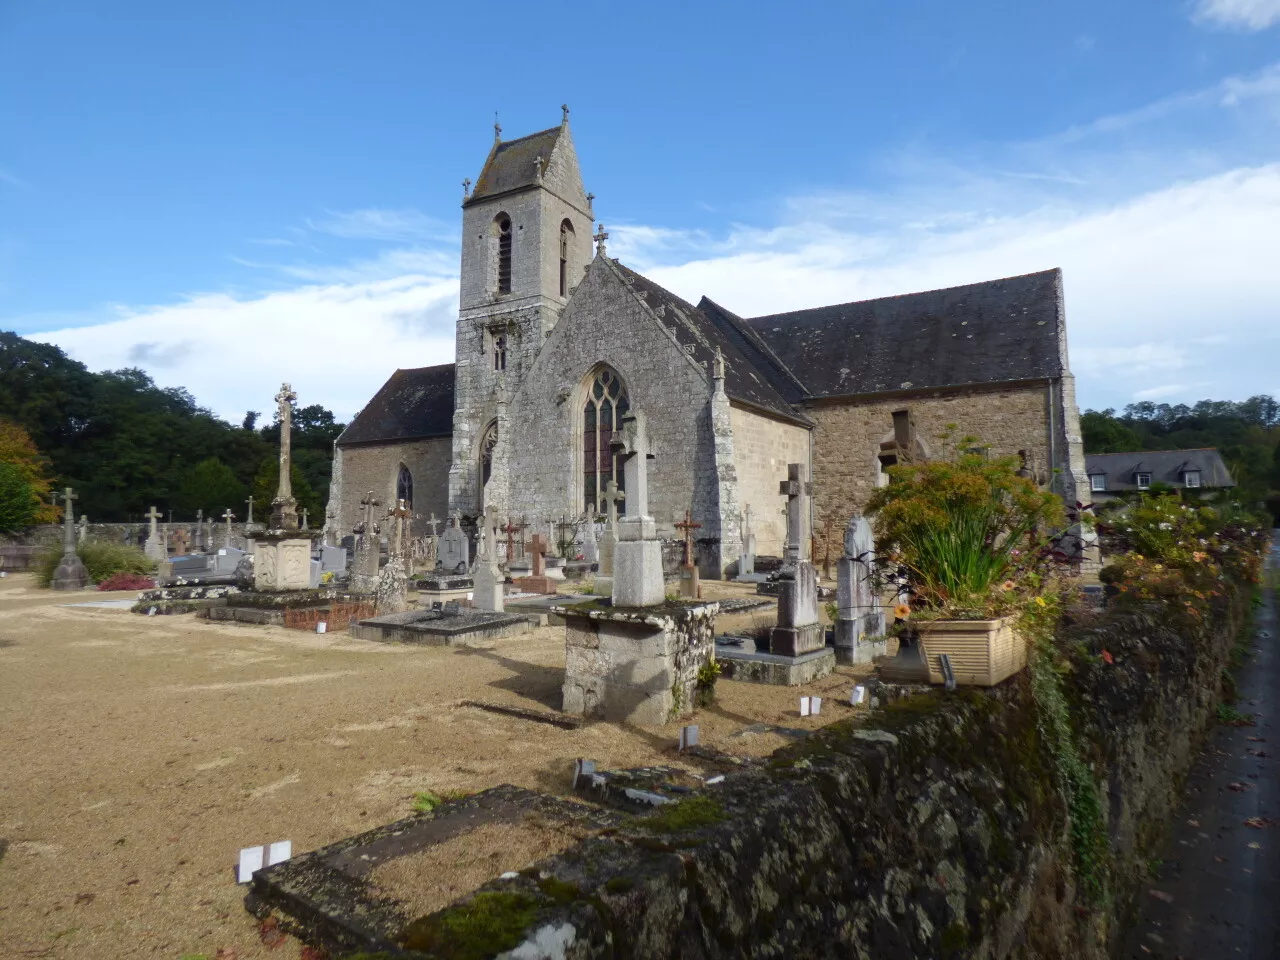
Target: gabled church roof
(991,332)
(700,333)
(412,405)
(510,165)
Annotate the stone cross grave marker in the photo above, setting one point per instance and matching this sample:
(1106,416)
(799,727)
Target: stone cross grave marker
(180,540)
(510,529)
(488,591)
(364,567)
(228,516)
(612,496)
(797,490)
(249,515)
(71,573)
(747,564)
(155,547)
(637,574)
(689,585)
(538,548)
(304,519)
(590,547)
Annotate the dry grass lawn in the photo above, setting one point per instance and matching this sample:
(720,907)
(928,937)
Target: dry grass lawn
(139,754)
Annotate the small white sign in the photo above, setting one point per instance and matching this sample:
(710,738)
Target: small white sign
(279,852)
(858,696)
(250,861)
(222,552)
(322,627)
(804,706)
(688,736)
(151,612)
(815,705)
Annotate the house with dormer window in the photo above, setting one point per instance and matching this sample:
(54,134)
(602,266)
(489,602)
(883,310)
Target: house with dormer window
(1112,474)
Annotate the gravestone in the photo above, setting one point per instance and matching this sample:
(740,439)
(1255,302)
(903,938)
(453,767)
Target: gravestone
(637,559)
(590,548)
(453,553)
(539,582)
(364,568)
(487,592)
(390,594)
(71,573)
(798,631)
(860,625)
(82,531)
(333,560)
(179,540)
(228,516)
(226,560)
(155,548)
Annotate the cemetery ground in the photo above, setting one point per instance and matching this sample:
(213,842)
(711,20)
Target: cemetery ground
(141,753)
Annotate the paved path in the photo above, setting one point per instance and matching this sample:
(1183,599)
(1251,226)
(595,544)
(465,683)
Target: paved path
(1217,894)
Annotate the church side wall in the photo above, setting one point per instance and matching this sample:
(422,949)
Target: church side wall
(377,466)
(762,448)
(848,437)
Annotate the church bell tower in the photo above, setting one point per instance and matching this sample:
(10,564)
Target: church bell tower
(526,242)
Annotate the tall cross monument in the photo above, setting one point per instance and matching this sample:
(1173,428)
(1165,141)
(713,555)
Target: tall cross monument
(284,508)
(71,573)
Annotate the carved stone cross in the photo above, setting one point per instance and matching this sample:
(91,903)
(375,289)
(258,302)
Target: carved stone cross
(249,517)
(633,446)
(687,526)
(304,519)
(538,547)
(600,237)
(69,522)
(612,495)
(510,529)
(797,490)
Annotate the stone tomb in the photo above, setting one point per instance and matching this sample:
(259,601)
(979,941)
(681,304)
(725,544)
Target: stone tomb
(331,897)
(451,625)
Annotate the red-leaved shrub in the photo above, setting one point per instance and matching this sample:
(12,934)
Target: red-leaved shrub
(127,581)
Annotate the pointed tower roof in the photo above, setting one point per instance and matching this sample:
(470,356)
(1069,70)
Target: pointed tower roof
(543,159)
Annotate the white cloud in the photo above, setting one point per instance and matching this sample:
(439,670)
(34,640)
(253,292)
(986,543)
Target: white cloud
(1241,14)
(374,224)
(335,343)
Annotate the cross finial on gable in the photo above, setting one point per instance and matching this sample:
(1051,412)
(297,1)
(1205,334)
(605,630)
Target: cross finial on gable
(466,188)
(600,237)
(537,168)
(564,113)
(497,128)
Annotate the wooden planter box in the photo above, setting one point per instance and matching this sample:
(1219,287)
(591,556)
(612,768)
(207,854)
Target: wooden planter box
(982,652)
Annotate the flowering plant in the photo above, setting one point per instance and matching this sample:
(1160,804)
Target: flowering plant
(971,533)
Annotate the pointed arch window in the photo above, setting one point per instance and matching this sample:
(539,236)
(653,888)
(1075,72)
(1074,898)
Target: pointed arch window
(602,414)
(503,224)
(500,352)
(487,442)
(566,238)
(404,486)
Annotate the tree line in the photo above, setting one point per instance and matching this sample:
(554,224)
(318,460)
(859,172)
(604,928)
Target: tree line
(1247,433)
(125,444)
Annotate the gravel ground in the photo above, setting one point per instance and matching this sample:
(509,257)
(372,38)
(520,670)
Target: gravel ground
(139,754)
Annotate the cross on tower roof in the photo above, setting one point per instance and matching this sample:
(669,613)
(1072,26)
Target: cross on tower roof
(600,237)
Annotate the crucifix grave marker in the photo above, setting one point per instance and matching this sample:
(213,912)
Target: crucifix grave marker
(797,489)
(71,573)
(689,585)
(228,516)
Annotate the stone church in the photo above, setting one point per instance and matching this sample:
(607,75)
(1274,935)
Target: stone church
(556,342)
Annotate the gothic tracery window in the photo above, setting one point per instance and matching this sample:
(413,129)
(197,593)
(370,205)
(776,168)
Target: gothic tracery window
(500,352)
(602,414)
(404,486)
(504,253)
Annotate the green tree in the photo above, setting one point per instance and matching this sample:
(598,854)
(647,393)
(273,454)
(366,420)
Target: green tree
(211,486)
(1103,433)
(264,491)
(18,501)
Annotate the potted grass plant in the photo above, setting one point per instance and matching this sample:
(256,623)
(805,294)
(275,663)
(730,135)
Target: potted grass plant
(970,534)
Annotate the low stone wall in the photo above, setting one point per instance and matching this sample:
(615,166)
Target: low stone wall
(50,534)
(936,827)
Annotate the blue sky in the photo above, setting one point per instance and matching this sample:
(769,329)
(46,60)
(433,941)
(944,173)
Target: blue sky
(246,193)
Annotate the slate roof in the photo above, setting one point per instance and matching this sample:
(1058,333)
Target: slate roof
(412,404)
(1165,466)
(510,165)
(747,378)
(999,330)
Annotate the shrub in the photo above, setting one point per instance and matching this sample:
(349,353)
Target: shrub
(101,558)
(127,581)
(18,499)
(970,533)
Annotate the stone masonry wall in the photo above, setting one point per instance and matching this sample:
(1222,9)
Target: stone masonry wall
(848,437)
(934,827)
(605,322)
(762,448)
(377,468)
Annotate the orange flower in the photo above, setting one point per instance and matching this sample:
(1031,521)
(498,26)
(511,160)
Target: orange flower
(1007,586)
(902,611)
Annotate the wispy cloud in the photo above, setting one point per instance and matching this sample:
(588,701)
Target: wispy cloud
(389,225)
(12,179)
(1239,14)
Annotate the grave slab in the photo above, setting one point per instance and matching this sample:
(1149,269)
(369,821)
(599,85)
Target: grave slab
(437,628)
(328,899)
(750,666)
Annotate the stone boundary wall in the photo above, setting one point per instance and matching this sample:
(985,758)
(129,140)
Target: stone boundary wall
(933,828)
(50,534)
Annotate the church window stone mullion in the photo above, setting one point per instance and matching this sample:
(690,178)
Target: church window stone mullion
(606,404)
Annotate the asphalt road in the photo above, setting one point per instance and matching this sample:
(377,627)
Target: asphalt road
(1216,894)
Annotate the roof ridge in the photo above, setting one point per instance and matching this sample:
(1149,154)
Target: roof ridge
(1131,453)
(529,136)
(901,296)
